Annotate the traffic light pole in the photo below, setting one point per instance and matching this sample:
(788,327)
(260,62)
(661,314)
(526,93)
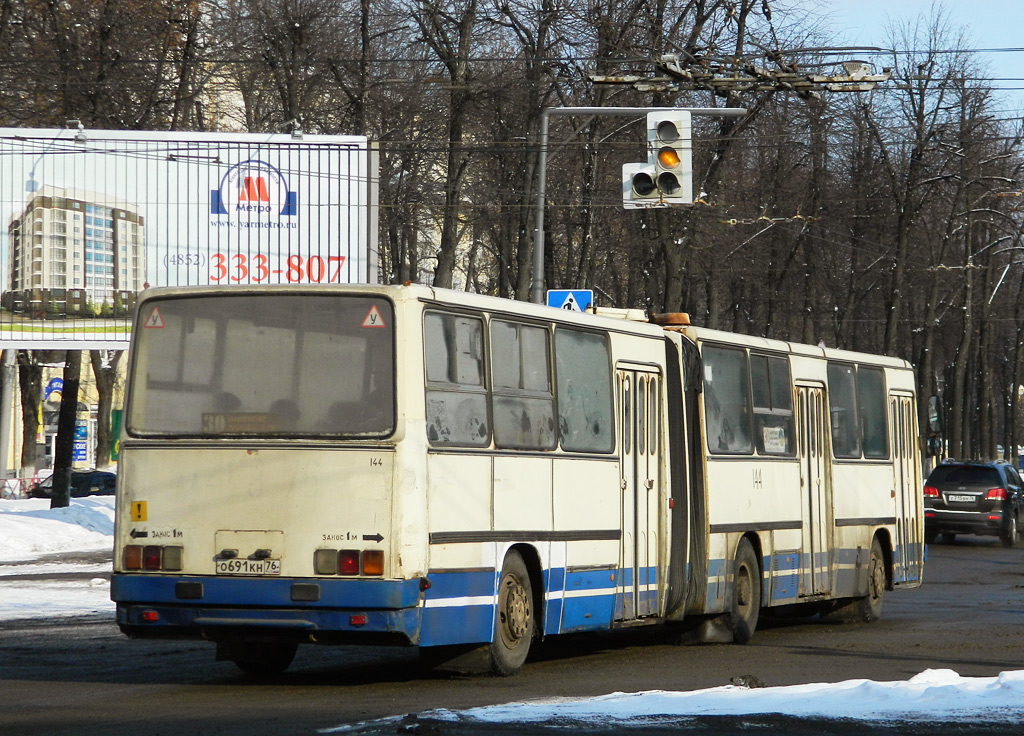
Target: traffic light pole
(537,293)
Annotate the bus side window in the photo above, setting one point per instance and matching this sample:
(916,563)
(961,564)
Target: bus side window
(584,391)
(455,395)
(726,400)
(521,391)
(842,397)
(641,414)
(871,400)
(773,405)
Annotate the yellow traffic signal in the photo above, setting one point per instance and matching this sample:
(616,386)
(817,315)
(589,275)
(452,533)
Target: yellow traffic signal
(667,177)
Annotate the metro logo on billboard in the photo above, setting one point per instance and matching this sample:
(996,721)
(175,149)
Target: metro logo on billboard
(254,190)
(253,187)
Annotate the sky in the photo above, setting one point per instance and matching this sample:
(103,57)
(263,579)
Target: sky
(988,24)
(35,539)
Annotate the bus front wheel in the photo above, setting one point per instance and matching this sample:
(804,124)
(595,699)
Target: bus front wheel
(514,619)
(746,593)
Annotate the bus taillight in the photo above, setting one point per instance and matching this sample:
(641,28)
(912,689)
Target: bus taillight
(133,557)
(373,562)
(153,557)
(348,562)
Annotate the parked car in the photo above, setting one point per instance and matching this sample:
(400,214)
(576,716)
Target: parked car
(969,497)
(83,483)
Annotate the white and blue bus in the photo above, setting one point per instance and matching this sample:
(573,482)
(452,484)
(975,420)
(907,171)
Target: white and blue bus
(401,464)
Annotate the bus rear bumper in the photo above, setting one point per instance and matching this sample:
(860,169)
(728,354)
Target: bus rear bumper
(150,606)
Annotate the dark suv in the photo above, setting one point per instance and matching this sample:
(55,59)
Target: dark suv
(83,483)
(967,497)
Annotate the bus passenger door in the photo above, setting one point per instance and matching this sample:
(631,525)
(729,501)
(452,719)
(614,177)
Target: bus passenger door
(908,555)
(638,587)
(815,488)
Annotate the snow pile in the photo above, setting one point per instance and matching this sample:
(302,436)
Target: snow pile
(38,573)
(30,529)
(931,695)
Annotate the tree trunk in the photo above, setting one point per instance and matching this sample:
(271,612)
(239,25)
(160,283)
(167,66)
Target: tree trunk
(62,456)
(105,374)
(30,381)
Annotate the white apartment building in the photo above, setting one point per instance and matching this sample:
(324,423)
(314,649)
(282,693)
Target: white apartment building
(74,239)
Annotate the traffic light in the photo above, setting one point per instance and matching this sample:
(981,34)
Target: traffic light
(639,188)
(667,178)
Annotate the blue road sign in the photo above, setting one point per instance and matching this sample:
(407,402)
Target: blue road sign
(574,300)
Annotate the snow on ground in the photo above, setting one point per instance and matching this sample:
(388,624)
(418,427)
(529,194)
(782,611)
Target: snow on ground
(931,695)
(33,540)
(42,572)
(30,529)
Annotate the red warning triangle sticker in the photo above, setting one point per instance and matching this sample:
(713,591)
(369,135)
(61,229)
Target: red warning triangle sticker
(373,318)
(154,320)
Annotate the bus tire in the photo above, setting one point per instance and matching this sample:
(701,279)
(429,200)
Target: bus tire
(260,658)
(746,593)
(871,604)
(514,619)
(868,608)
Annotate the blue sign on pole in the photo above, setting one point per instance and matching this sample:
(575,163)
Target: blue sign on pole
(54,384)
(573,300)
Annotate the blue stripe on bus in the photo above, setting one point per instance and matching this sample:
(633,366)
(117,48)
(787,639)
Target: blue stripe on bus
(195,619)
(591,610)
(458,607)
(457,625)
(228,591)
(554,579)
(785,576)
(460,584)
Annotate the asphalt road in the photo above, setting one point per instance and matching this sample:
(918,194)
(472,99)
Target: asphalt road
(82,677)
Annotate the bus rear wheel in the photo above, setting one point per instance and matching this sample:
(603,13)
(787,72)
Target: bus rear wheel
(514,619)
(871,604)
(867,608)
(260,658)
(746,594)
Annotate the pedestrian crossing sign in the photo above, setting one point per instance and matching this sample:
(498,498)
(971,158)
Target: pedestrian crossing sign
(573,300)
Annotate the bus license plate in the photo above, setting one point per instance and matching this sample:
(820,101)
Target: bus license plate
(248,567)
(956,498)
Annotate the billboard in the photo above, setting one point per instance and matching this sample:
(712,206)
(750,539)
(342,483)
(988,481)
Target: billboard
(88,218)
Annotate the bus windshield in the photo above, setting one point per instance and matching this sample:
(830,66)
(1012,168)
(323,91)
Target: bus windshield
(267,365)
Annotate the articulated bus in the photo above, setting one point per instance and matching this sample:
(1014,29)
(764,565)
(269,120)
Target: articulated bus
(408,465)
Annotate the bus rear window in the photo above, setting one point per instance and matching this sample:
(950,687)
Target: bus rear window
(268,365)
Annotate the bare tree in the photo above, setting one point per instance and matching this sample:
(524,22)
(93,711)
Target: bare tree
(105,372)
